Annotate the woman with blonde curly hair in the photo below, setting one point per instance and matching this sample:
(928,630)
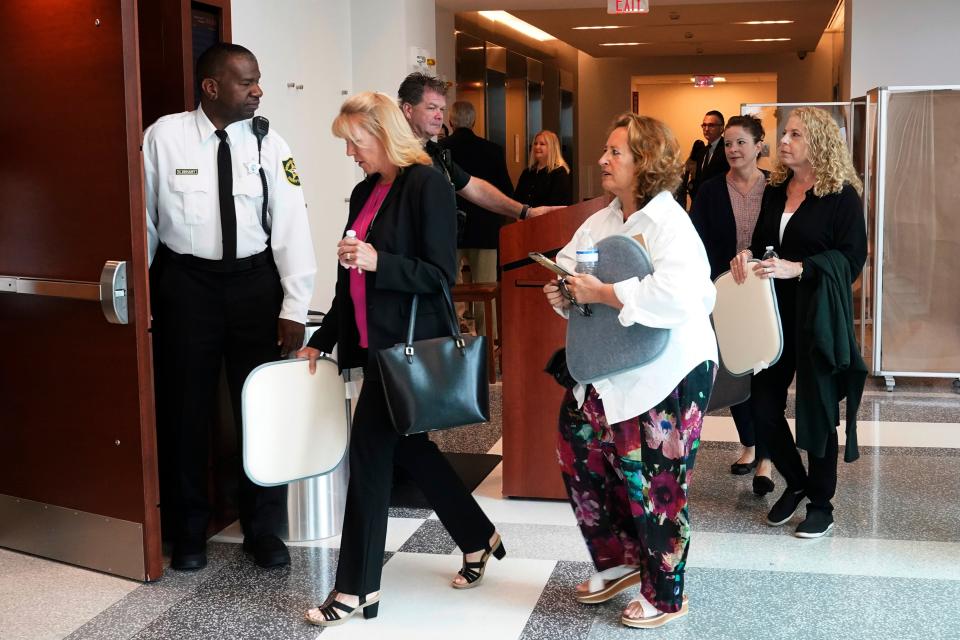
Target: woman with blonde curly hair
(813,217)
(628,443)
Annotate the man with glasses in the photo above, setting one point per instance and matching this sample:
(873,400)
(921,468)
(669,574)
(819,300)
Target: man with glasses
(714,159)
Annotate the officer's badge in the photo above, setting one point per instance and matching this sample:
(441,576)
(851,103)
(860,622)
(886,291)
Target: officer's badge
(290,168)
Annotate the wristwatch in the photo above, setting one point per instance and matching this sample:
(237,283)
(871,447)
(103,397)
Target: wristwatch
(523,212)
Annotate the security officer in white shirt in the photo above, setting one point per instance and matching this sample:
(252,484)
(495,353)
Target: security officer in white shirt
(230,280)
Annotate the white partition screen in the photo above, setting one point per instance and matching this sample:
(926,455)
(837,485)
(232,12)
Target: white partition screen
(916,198)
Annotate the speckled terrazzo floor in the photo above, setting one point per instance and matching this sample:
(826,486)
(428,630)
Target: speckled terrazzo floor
(889,569)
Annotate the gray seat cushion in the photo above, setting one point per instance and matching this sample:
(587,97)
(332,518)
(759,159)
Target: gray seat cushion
(598,346)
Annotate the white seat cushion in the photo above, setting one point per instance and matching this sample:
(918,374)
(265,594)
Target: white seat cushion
(747,322)
(295,425)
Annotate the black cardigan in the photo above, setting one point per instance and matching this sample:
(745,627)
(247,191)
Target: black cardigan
(833,221)
(415,235)
(712,216)
(538,188)
(825,228)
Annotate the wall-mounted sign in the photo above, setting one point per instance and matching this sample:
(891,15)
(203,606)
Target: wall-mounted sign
(628,6)
(703,81)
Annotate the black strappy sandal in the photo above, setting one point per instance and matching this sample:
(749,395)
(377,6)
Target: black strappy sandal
(472,572)
(330,611)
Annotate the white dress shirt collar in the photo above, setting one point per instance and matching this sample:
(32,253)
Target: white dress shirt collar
(656,209)
(205,128)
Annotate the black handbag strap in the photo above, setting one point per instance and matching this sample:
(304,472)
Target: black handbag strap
(451,317)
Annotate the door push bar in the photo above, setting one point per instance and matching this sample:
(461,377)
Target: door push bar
(111,291)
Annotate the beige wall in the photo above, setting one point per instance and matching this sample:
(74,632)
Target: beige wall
(604,88)
(682,107)
(446,51)
(896,43)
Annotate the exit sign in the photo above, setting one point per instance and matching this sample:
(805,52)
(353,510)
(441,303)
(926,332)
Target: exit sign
(628,6)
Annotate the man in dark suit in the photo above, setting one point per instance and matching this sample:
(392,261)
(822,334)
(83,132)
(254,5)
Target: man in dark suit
(714,159)
(482,159)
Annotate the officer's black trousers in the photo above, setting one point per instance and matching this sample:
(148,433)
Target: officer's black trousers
(203,319)
(768,402)
(375,447)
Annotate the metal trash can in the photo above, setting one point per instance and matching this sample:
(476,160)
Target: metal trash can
(315,505)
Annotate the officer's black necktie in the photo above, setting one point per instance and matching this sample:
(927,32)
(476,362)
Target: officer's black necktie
(228,211)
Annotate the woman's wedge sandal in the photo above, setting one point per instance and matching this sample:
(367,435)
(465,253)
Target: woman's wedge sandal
(653,620)
(333,612)
(608,583)
(472,572)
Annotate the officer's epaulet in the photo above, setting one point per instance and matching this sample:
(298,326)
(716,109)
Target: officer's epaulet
(171,116)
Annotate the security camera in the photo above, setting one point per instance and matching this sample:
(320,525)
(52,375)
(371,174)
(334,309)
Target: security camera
(802,54)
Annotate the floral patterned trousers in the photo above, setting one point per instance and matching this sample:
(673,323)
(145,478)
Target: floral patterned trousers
(628,482)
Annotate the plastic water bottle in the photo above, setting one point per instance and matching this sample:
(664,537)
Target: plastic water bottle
(587,254)
(350,234)
(769,253)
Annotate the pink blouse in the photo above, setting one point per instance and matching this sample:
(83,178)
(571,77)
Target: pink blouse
(746,210)
(358,287)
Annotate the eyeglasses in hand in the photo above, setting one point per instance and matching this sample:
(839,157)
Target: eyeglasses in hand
(584,309)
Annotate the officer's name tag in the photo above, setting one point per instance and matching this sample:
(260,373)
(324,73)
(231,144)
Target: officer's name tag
(187,172)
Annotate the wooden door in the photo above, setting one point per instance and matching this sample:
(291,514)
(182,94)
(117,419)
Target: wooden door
(78,481)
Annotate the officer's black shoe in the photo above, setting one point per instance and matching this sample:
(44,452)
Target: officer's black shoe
(189,555)
(818,522)
(784,508)
(268,551)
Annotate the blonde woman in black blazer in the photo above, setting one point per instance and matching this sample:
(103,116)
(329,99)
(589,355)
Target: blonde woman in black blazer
(404,216)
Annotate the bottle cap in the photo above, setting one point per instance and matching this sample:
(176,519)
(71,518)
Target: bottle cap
(353,234)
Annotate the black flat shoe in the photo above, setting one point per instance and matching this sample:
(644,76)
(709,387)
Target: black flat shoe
(268,551)
(189,555)
(762,485)
(741,469)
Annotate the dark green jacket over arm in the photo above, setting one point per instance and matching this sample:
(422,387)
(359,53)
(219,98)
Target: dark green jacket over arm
(830,368)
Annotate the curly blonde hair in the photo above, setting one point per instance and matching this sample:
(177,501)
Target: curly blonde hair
(827,153)
(379,115)
(656,154)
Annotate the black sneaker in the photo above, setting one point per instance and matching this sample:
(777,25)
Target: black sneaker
(818,522)
(784,508)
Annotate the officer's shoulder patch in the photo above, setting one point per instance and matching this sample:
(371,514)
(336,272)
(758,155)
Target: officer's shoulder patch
(290,169)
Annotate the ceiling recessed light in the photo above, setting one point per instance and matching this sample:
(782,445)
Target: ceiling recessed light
(621,44)
(766,40)
(517,24)
(766,22)
(601,26)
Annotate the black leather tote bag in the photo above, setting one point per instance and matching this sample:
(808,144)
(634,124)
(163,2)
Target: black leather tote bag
(436,383)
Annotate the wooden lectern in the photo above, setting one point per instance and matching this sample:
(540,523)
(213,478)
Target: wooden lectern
(530,332)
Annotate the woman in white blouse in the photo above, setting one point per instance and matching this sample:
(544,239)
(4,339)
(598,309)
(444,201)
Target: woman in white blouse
(628,443)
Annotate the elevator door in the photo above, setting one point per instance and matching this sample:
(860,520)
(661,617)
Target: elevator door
(78,478)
